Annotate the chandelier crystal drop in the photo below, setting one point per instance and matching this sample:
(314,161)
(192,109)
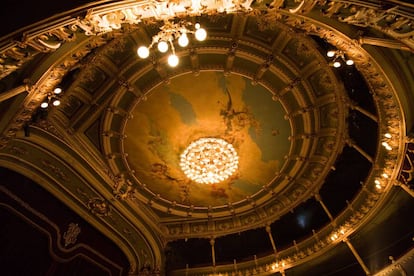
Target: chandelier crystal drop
(209,160)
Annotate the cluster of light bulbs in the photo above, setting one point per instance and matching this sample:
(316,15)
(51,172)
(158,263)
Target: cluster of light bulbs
(377,182)
(335,235)
(385,143)
(276,265)
(209,160)
(52,98)
(165,39)
(337,57)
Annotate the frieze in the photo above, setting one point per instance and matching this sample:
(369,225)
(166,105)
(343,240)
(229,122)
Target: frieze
(19,151)
(56,170)
(48,126)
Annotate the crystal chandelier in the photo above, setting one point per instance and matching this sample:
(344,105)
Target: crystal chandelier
(209,160)
(169,32)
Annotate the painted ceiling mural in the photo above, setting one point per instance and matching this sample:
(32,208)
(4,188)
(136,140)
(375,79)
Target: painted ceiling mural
(214,105)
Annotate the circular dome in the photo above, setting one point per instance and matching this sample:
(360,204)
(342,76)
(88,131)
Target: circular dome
(226,107)
(283,110)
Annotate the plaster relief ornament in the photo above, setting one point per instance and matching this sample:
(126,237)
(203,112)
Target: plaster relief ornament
(99,207)
(70,236)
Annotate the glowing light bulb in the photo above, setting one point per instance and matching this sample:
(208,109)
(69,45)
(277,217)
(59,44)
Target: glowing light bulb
(143,52)
(56,102)
(57,90)
(330,53)
(349,62)
(44,105)
(162,46)
(386,146)
(377,184)
(183,40)
(200,34)
(173,60)
(336,64)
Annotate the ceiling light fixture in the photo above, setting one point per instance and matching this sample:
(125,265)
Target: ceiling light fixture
(168,33)
(377,184)
(52,98)
(386,142)
(338,56)
(209,160)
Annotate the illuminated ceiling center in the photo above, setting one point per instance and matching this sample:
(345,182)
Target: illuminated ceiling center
(209,160)
(266,108)
(210,104)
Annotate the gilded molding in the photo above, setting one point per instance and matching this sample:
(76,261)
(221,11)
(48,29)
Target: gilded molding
(407,170)
(53,174)
(394,21)
(57,171)
(39,90)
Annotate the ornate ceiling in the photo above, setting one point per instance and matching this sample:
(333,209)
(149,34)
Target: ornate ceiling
(321,149)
